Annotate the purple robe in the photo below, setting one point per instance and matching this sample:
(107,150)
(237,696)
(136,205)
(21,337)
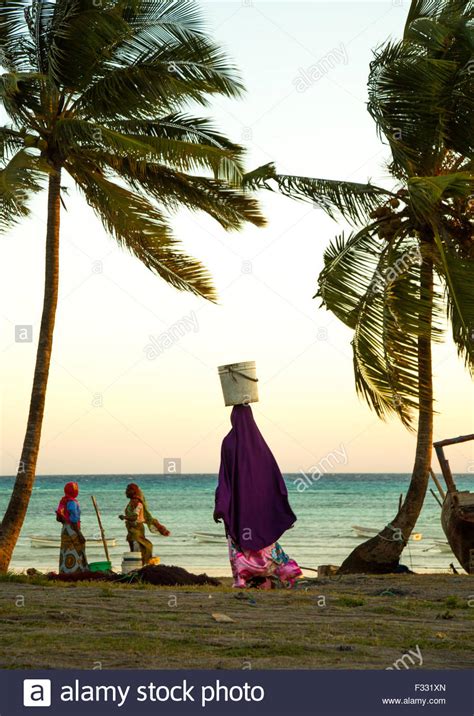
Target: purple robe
(251,496)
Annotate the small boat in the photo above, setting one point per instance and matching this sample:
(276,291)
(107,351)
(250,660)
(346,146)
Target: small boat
(442,544)
(209,537)
(372,531)
(365,531)
(457,512)
(44,542)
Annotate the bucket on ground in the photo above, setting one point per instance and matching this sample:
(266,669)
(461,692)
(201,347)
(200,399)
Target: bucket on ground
(131,561)
(239,383)
(100,566)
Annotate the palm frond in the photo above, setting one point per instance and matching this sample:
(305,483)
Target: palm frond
(166,77)
(457,272)
(228,205)
(352,200)
(143,230)
(19,178)
(191,130)
(76,135)
(10,141)
(407,100)
(159,22)
(374,288)
(83,34)
(426,192)
(20,94)
(181,126)
(17,48)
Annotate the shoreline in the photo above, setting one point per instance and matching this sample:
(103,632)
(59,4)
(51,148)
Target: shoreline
(225,572)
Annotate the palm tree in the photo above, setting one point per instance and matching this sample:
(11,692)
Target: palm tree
(410,256)
(101,91)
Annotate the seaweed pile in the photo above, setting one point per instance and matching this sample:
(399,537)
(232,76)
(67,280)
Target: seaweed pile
(160,575)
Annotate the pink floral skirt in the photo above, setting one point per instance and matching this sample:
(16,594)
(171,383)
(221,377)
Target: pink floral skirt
(270,563)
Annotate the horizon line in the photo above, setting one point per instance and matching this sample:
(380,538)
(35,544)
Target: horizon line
(185,474)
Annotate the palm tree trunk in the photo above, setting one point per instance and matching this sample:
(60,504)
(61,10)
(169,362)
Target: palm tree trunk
(381,554)
(15,514)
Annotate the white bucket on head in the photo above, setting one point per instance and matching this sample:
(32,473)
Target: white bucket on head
(131,561)
(239,383)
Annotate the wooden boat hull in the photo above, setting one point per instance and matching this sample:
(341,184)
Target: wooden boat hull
(457,520)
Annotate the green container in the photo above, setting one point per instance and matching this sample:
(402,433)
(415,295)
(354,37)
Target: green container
(100,566)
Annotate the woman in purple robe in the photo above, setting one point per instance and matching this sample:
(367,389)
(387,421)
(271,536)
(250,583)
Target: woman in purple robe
(252,500)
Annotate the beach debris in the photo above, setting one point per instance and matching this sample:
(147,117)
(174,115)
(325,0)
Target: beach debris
(245,598)
(345,647)
(327,570)
(221,618)
(445,615)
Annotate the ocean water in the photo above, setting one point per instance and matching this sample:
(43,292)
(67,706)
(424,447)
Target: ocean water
(322,534)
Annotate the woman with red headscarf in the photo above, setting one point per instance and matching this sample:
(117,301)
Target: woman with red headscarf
(136,516)
(72,556)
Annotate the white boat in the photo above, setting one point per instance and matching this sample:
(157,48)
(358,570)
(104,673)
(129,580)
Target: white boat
(44,542)
(209,537)
(371,532)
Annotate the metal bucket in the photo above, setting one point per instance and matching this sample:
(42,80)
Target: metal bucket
(239,383)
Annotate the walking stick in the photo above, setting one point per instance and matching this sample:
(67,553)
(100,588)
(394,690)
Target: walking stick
(102,533)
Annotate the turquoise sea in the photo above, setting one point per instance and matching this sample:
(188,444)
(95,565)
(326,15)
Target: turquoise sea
(322,535)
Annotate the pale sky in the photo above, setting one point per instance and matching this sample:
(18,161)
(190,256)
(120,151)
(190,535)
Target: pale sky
(110,409)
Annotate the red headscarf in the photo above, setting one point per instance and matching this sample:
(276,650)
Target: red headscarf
(71,491)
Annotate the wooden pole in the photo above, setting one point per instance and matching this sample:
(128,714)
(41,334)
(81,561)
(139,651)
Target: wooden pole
(436,497)
(445,469)
(454,441)
(437,483)
(400,502)
(102,533)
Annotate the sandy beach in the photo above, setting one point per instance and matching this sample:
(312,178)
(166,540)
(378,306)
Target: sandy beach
(354,622)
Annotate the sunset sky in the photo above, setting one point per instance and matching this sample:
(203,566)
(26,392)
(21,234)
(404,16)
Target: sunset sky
(115,407)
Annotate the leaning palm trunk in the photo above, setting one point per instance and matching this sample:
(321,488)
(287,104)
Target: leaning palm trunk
(382,553)
(86,90)
(420,97)
(15,514)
